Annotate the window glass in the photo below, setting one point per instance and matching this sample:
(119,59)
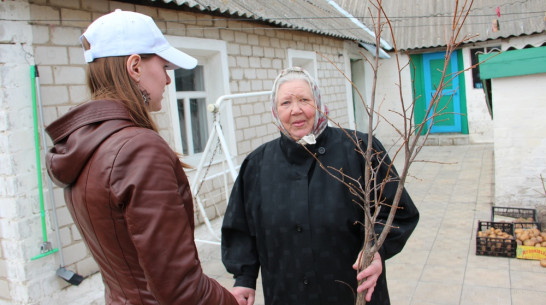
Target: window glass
(476,80)
(189,80)
(182,123)
(192,109)
(199,124)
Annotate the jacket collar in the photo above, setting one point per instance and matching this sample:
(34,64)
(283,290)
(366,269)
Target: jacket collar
(77,134)
(297,154)
(85,114)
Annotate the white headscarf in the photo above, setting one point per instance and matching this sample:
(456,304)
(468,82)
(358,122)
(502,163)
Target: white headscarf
(321,111)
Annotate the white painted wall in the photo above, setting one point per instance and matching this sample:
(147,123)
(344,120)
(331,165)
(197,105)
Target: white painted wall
(480,123)
(519,105)
(390,91)
(22,279)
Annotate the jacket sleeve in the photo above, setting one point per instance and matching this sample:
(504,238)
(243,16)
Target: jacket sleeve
(239,250)
(146,178)
(407,215)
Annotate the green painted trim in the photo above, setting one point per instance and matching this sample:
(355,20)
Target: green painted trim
(418,89)
(462,93)
(44,254)
(513,63)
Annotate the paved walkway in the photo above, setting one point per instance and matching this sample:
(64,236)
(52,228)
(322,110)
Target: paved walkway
(453,190)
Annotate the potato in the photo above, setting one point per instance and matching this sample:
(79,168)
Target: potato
(531,237)
(528,242)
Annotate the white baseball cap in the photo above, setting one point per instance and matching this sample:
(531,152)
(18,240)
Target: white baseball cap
(122,33)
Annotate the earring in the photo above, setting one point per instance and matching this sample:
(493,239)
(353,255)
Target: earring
(146,97)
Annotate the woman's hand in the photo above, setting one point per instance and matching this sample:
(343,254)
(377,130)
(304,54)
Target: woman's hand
(371,274)
(244,295)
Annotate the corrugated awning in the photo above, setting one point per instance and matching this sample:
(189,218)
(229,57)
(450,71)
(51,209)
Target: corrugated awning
(426,23)
(316,16)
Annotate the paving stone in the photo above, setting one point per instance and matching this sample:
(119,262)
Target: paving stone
(439,264)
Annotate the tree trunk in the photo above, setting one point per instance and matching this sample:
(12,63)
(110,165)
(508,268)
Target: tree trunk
(365,261)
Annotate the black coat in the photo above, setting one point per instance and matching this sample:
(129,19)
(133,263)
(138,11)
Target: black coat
(288,217)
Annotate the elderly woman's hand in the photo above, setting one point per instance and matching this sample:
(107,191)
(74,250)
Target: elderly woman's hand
(371,274)
(244,295)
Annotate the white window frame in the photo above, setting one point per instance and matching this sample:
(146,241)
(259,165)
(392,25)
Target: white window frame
(306,60)
(303,59)
(212,54)
(186,97)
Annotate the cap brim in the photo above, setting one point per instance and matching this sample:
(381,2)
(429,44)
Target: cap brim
(178,59)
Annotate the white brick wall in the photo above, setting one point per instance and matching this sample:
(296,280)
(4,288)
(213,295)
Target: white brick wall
(255,57)
(17,227)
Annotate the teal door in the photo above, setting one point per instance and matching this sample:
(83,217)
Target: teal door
(448,111)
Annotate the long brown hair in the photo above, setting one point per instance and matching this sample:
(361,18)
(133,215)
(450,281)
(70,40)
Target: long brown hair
(107,78)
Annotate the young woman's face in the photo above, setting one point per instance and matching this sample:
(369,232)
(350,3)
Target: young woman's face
(296,107)
(153,80)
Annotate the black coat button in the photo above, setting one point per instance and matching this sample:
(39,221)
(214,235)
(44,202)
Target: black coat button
(299,228)
(321,150)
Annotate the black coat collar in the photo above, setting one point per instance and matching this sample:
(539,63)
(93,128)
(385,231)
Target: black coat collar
(295,153)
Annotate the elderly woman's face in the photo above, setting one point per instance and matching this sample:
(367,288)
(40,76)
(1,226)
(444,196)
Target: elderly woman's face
(296,107)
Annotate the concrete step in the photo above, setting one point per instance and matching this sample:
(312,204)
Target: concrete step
(447,139)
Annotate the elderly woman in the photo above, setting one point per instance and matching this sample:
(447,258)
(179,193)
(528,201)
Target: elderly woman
(290,218)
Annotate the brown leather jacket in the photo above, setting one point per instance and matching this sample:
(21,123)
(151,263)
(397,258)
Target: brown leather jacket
(130,199)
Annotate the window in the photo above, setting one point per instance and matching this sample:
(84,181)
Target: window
(192,109)
(303,59)
(192,90)
(478,83)
(476,80)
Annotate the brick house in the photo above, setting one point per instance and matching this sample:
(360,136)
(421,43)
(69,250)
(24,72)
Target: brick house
(239,51)
(241,46)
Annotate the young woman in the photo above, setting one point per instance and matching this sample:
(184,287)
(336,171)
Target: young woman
(124,186)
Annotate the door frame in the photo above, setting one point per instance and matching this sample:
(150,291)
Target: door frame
(418,79)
